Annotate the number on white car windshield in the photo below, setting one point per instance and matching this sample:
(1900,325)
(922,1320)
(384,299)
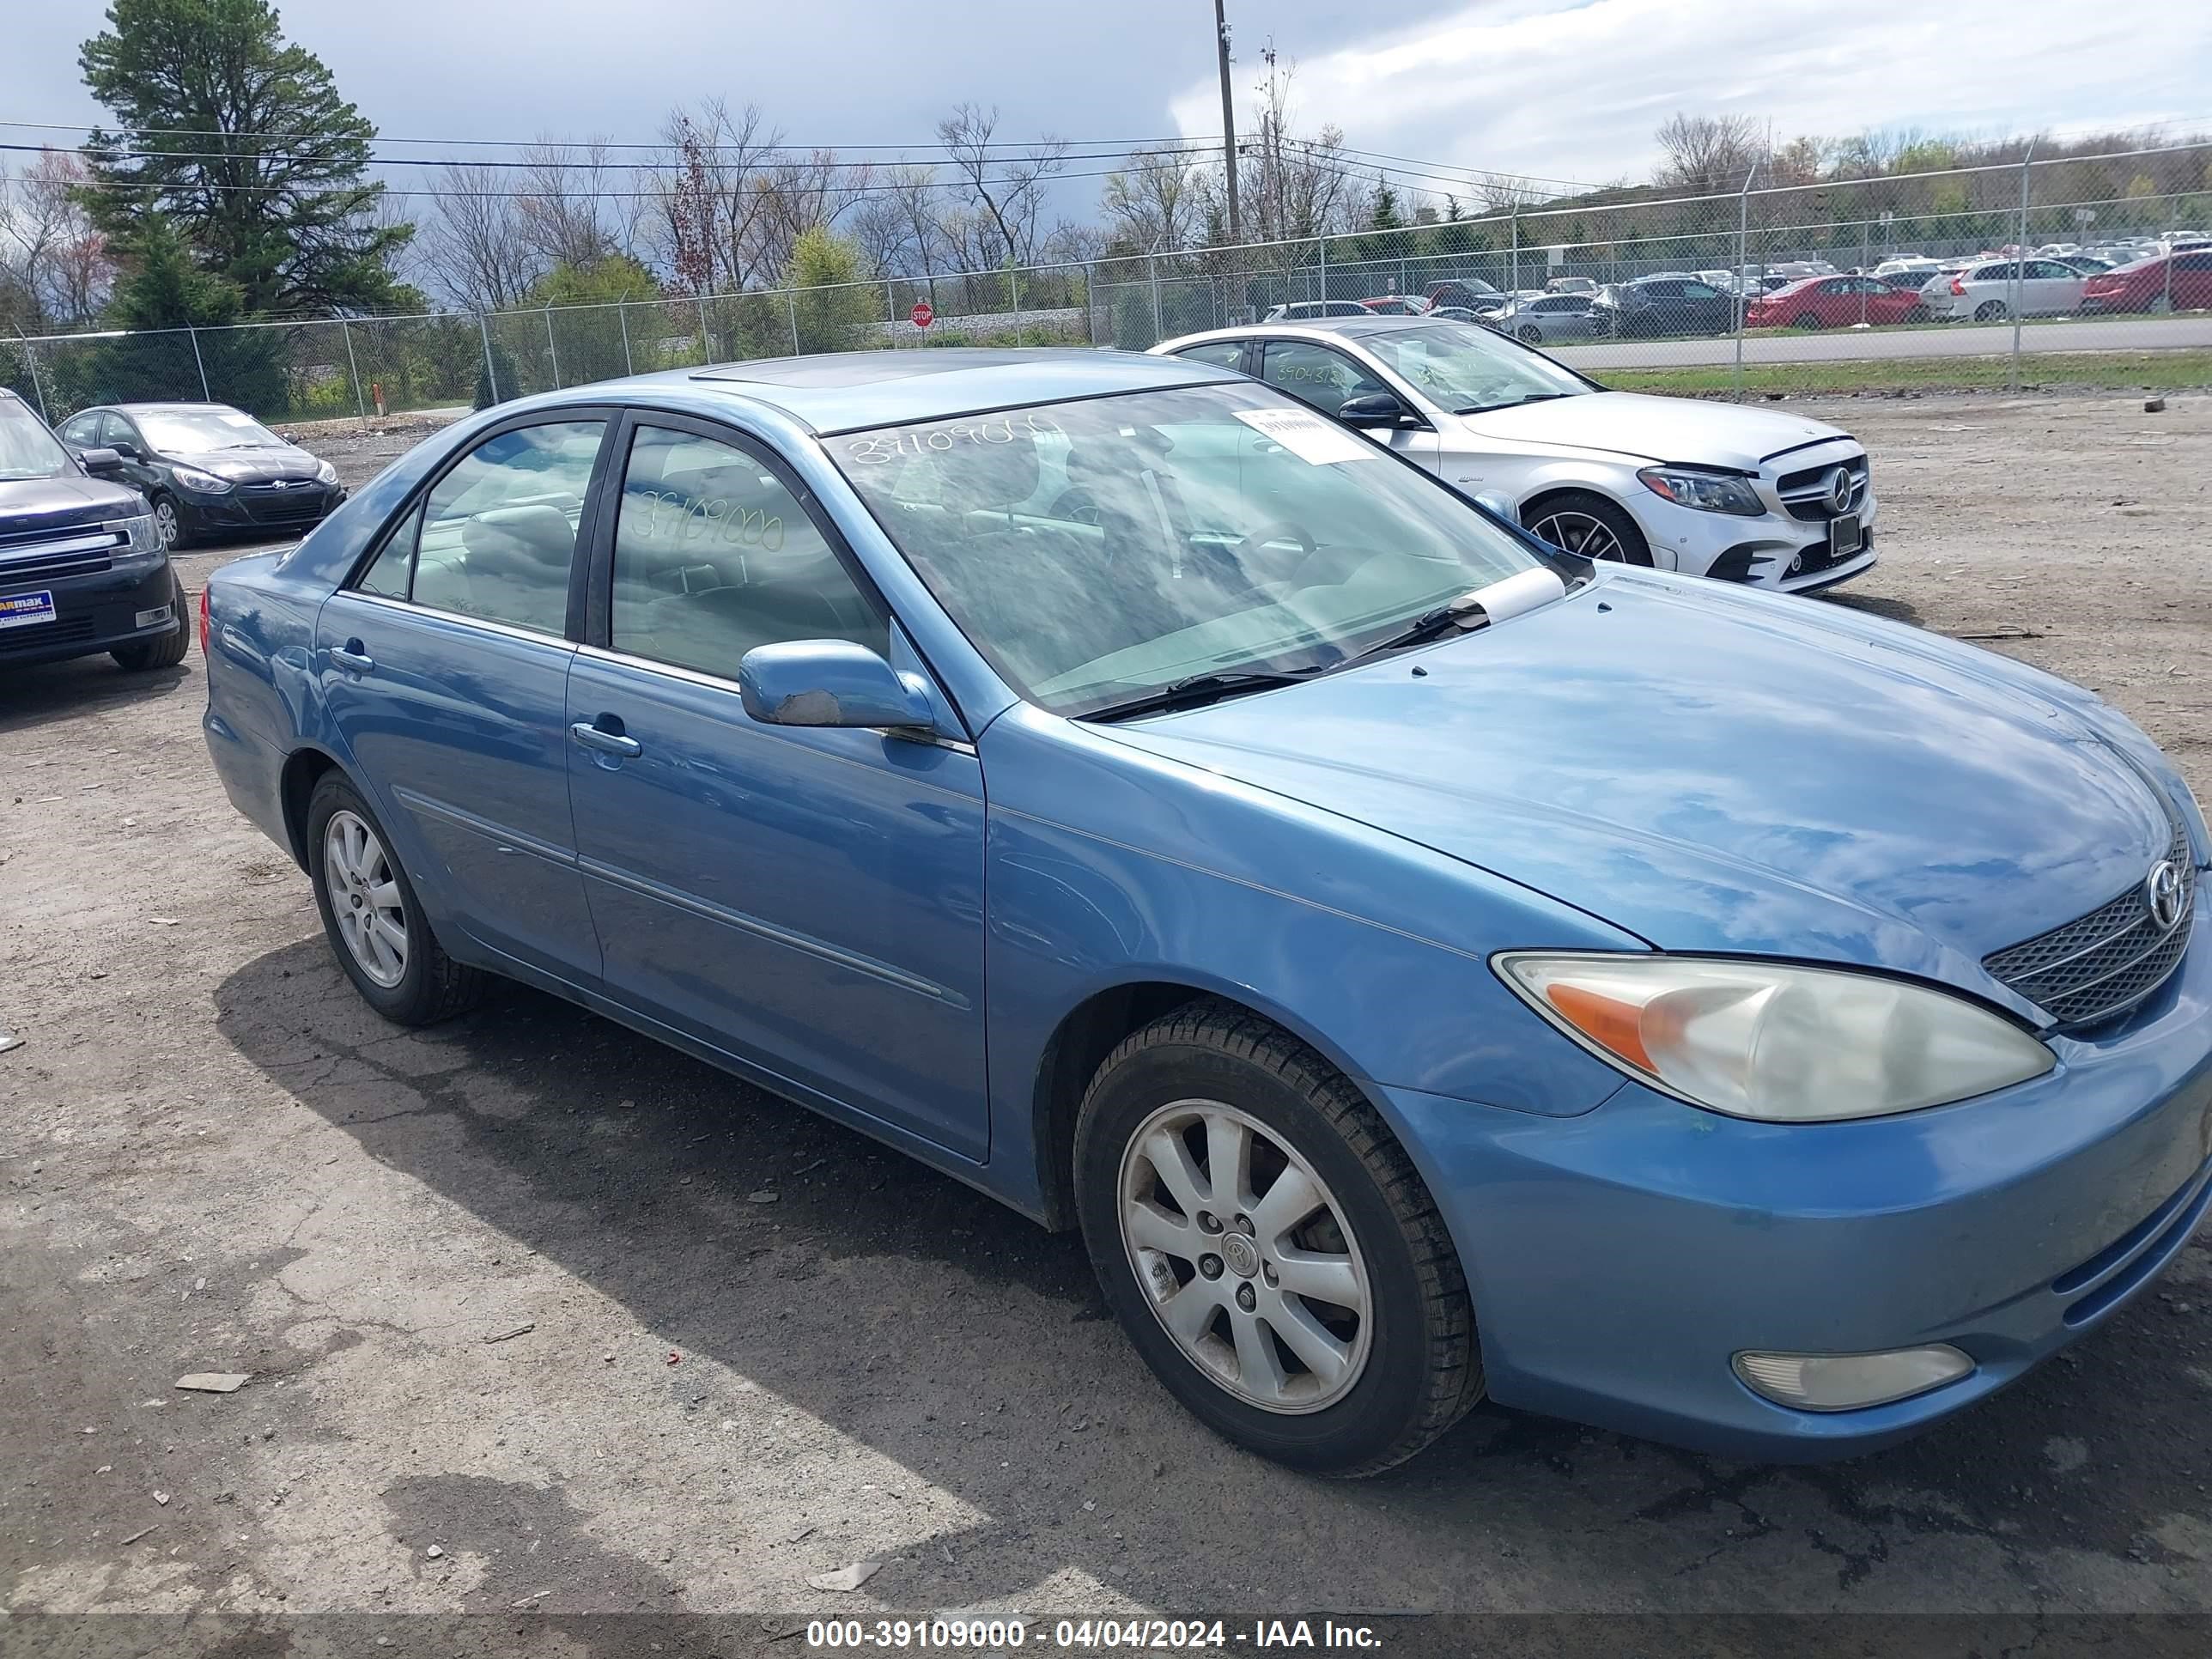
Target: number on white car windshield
(1097,550)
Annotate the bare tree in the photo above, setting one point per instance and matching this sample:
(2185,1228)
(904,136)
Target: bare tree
(480,250)
(709,211)
(1705,155)
(1158,202)
(565,200)
(1293,186)
(798,194)
(1008,191)
(54,265)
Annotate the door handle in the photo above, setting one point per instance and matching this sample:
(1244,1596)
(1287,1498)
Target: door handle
(607,743)
(351,656)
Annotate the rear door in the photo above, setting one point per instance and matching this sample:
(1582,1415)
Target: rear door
(444,667)
(807,899)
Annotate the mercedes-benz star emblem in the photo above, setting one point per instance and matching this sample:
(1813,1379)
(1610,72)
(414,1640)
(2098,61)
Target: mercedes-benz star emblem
(2162,894)
(1839,490)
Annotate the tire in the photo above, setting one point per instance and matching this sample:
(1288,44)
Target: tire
(169,522)
(164,650)
(428,985)
(2161,305)
(1991,311)
(1804,320)
(1396,1372)
(1586,519)
(1529,334)
(1917,314)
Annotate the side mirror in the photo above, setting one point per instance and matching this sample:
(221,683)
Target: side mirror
(100,462)
(1373,409)
(128,452)
(829,683)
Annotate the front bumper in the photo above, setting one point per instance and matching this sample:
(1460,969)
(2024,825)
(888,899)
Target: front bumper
(258,508)
(1776,551)
(1619,1260)
(93,613)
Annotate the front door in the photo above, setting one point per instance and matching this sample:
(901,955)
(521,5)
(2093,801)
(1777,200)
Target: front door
(807,899)
(1325,378)
(445,666)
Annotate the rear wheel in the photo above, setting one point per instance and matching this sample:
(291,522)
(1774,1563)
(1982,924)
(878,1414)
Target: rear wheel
(1587,524)
(1529,334)
(1269,1248)
(1805,319)
(1991,311)
(163,650)
(374,922)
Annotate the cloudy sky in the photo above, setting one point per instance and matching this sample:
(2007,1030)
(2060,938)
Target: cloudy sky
(1567,90)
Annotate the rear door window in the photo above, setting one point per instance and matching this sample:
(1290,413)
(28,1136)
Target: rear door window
(498,535)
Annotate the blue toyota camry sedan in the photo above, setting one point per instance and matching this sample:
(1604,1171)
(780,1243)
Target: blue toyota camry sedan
(1424,964)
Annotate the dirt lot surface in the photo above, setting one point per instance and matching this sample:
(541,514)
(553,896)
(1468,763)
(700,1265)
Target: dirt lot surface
(756,1346)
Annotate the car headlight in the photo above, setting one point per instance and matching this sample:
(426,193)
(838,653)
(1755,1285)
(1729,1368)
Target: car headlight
(141,539)
(206,483)
(1709,492)
(326,473)
(1766,1041)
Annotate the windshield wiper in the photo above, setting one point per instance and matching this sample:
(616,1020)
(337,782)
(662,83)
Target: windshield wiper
(1513,403)
(1466,613)
(1195,690)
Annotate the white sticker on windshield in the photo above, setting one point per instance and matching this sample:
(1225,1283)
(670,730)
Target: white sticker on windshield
(1308,436)
(235,420)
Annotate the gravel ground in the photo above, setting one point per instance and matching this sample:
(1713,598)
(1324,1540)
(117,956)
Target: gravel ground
(214,1159)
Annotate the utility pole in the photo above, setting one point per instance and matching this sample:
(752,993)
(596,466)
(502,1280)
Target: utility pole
(1228,121)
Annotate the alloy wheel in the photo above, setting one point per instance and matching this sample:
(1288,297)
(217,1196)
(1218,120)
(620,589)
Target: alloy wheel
(1245,1256)
(166,523)
(1578,533)
(364,897)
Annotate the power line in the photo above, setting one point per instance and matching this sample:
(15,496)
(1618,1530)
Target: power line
(583,164)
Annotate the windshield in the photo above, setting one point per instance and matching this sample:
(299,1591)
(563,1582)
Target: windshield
(195,431)
(1098,550)
(1468,369)
(27,450)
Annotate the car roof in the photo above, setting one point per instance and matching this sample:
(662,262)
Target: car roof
(1349,327)
(842,391)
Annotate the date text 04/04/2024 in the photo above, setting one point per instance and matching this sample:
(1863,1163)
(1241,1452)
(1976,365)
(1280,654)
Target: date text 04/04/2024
(1103,1635)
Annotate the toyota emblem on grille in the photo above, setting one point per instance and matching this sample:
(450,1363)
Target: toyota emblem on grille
(1839,490)
(2162,894)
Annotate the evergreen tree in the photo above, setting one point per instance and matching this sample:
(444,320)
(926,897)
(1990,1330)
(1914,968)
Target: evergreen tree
(244,141)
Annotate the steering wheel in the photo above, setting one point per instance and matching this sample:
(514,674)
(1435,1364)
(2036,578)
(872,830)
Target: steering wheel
(1248,553)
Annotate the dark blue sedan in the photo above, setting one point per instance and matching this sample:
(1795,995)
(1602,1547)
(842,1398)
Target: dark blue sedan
(1424,965)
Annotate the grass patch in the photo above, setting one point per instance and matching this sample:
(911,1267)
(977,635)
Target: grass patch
(2148,371)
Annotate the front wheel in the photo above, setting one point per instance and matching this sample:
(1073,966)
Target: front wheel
(376,923)
(169,523)
(163,650)
(1269,1248)
(1580,522)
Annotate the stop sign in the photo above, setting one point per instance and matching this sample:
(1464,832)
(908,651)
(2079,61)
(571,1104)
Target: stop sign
(921,313)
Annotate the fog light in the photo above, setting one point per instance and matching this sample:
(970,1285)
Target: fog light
(160,613)
(1850,1381)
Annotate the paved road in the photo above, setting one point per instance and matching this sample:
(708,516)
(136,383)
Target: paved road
(2072,334)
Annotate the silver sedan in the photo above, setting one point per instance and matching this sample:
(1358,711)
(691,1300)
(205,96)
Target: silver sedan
(1546,319)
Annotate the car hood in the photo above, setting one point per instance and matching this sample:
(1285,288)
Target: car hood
(253,465)
(30,505)
(1718,772)
(1654,428)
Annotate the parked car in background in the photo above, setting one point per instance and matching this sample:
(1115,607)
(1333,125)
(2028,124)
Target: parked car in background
(1918,266)
(1469,293)
(82,569)
(1551,318)
(1988,292)
(208,468)
(1834,302)
(1394,304)
(1588,285)
(1298,310)
(1713,490)
(1669,304)
(1422,963)
(2088,264)
(2167,281)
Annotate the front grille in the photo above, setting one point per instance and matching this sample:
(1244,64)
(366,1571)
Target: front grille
(24,639)
(1806,493)
(31,573)
(2099,966)
(290,504)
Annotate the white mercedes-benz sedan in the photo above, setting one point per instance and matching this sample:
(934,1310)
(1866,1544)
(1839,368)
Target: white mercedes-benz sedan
(1753,496)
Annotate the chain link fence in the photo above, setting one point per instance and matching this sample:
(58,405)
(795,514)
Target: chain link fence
(2084,267)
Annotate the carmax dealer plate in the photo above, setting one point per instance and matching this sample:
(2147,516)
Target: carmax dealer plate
(21,610)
